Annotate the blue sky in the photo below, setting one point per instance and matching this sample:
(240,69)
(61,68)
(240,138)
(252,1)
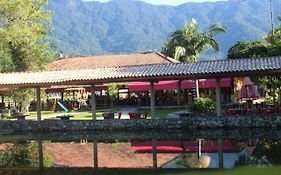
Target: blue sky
(167,2)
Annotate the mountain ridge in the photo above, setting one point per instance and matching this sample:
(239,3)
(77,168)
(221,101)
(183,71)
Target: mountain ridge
(85,28)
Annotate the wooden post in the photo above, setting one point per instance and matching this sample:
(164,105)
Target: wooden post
(179,93)
(218,98)
(279,92)
(93,103)
(62,96)
(38,103)
(199,149)
(95,152)
(152,101)
(40,155)
(274,92)
(220,153)
(185,96)
(154,153)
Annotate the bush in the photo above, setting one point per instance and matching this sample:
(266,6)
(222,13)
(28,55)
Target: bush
(203,104)
(271,149)
(268,100)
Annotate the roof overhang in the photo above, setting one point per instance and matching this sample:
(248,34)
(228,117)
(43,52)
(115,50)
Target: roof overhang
(153,72)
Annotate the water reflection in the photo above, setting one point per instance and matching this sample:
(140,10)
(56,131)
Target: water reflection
(140,153)
(131,154)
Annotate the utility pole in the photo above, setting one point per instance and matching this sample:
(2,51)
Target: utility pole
(271,16)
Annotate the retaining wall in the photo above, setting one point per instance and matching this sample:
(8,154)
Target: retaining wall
(207,122)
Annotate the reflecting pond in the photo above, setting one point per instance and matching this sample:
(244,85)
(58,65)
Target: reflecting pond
(177,152)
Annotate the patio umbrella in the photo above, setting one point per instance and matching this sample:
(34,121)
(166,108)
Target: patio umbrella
(248,90)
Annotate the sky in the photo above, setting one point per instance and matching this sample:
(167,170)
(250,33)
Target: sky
(166,2)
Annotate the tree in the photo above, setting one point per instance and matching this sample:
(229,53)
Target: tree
(187,43)
(274,40)
(24,25)
(268,47)
(22,155)
(112,92)
(248,49)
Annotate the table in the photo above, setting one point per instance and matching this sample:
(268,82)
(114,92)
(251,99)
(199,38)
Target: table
(108,115)
(134,115)
(64,117)
(21,116)
(183,115)
(239,111)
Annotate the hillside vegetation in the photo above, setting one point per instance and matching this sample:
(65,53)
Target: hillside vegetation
(127,26)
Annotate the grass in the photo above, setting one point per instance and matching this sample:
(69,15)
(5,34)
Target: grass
(275,170)
(78,115)
(34,113)
(87,115)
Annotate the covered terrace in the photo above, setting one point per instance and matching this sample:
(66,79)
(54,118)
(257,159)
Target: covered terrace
(147,73)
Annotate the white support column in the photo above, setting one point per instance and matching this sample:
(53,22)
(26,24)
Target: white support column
(218,98)
(38,103)
(93,102)
(152,101)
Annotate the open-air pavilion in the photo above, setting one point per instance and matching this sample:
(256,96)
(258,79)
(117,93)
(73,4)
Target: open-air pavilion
(147,73)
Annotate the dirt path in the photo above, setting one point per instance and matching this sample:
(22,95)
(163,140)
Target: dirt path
(109,155)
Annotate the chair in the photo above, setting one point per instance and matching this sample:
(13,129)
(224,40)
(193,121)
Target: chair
(119,115)
(107,115)
(268,111)
(226,112)
(145,114)
(233,111)
(278,109)
(245,111)
(259,111)
(134,115)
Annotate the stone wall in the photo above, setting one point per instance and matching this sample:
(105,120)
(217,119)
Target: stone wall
(186,123)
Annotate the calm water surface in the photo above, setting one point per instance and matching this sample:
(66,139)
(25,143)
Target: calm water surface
(141,153)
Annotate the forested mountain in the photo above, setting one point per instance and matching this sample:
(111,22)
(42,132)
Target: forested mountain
(81,27)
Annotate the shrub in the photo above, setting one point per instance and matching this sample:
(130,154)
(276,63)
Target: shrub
(203,104)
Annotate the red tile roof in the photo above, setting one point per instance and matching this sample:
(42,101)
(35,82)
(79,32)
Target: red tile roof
(116,60)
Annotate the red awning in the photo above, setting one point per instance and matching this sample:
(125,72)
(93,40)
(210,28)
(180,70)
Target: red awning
(173,84)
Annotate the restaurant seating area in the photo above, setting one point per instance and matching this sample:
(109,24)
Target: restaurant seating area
(259,110)
(111,115)
(243,111)
(117,115)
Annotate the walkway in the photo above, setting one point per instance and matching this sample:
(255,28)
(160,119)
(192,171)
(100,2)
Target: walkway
(125,112)
(176,114)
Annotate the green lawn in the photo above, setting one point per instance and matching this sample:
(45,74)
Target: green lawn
(78,115)
(34,113)
(275,170)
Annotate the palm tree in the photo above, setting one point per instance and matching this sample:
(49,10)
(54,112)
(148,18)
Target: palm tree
(188,43)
